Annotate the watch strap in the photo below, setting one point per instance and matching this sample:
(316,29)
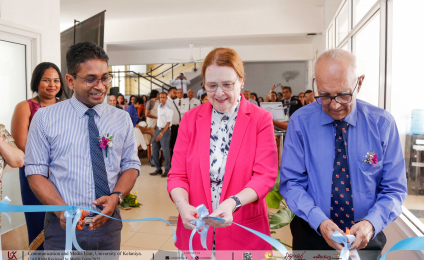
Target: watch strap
(238,203)
(120,198)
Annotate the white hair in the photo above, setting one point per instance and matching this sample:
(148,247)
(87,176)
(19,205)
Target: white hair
(338,55)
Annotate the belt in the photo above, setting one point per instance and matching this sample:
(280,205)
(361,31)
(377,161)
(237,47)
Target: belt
(160,129)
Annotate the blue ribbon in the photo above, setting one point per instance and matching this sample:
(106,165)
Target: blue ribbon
(343,239)
(72,215)
(412,243)
(203,213)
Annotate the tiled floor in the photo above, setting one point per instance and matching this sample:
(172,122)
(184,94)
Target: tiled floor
(155,202)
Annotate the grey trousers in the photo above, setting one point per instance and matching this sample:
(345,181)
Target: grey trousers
(107,237)
(164,143)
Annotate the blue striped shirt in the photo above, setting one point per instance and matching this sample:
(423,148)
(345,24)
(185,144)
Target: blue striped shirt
(58,143)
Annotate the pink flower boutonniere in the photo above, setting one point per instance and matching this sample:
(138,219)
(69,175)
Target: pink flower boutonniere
(371,158)
(105,142)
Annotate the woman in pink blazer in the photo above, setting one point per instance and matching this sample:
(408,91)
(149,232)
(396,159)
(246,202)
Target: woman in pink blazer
(225,157)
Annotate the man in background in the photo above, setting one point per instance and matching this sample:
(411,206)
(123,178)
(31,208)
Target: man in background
(309,97)
(287,92)
(201,92)
(176,117)
(162,136)
(181,82)
(193,102)
(246,94)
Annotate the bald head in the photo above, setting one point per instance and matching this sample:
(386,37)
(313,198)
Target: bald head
(334,58)
(190,94)
(246,94)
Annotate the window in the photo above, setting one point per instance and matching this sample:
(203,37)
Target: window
(366,47)
(342,23)
(360,8)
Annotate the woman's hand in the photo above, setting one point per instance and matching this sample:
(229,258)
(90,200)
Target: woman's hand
(225,211)
(187,213)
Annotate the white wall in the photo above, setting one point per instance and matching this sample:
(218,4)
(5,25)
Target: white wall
(40,15)
(260,76)
(278,17)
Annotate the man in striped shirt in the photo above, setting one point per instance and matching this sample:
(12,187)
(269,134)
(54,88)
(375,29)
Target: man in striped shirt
(67,165)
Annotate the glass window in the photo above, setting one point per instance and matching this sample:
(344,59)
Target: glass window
(366,46)
(119,78)
(330,36)
(342,23)
(345,47)
(360,8)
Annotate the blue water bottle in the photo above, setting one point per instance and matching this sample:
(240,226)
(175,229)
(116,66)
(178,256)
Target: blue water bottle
(417,121)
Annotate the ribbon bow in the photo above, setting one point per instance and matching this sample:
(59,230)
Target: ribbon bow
(346,240)
(203,213)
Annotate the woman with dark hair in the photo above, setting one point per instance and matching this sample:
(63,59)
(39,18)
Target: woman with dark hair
(48,83)
(204,98)
(254,97)
(145,99)
(121,102)
(132,100)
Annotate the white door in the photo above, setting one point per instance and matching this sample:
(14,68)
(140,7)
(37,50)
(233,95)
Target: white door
(15,76)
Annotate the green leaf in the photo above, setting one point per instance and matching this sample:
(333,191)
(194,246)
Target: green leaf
(125,204)
(281,219)
(273,232)
(277,182)
(273,199)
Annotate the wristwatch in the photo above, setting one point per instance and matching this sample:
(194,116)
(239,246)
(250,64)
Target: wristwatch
(238,203)
(119,196)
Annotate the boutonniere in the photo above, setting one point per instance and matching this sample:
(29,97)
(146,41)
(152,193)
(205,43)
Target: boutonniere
(371,158)
(105,142)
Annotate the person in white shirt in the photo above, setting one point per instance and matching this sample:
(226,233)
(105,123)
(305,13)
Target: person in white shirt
(246,94)
(201,92)
(162,136)
(193,102)
(176,118)
(181,102)
(181,82)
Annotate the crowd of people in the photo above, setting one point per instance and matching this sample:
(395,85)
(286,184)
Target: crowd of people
(218,150)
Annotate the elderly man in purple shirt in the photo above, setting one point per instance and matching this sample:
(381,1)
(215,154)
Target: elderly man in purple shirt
(342,165)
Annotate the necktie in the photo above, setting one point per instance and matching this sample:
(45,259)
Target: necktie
(179,103)
(97,161)
(341,190)
(286,110)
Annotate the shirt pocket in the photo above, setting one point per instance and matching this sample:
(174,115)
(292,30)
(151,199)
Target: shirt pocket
(369,177)
(114,155)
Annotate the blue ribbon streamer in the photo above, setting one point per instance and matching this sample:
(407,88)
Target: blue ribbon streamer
(412,243)
(72,215)
(203,213)
(343,239)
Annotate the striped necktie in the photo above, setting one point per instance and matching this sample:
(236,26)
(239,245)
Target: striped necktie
(97,160)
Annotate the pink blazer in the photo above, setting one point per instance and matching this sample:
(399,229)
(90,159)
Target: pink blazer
(252,162)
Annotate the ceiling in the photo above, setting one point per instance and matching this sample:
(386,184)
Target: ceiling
(137,9)
(211,42)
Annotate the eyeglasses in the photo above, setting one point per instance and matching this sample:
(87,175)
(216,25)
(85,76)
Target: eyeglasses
(92,82)
(225,86)
(341,99)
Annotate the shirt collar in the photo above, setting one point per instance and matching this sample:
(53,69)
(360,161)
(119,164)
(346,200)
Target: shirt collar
(80,108)
(351,118)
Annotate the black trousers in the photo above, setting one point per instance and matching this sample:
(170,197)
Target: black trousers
(107,237)
(174,133)
(306,238)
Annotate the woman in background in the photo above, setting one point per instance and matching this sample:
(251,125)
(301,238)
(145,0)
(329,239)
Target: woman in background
(47,82)
(204,98)
(113,102)
(121,102)
(132,100)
